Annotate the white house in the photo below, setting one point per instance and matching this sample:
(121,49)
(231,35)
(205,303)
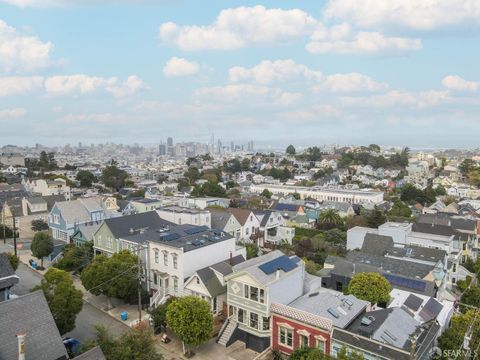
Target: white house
(181,215)
(176,254)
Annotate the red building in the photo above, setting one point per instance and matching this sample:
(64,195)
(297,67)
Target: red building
(293,329)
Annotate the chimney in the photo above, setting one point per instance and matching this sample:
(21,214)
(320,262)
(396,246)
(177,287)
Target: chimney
(231,258)
(277,274)
(21,345)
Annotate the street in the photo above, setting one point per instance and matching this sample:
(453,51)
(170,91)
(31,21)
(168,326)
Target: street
(86,319)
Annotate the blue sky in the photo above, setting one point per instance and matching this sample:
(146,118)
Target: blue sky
(302,72)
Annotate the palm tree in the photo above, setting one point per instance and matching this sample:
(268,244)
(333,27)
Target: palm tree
(330,217)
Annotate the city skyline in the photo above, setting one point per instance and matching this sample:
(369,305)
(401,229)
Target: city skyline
(302,73)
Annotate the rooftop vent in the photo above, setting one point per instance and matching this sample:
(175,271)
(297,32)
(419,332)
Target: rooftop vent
(313,294)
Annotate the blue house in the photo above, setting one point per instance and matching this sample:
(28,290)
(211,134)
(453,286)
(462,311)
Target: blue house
(65,217)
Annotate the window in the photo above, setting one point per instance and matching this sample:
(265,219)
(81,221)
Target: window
(175,261)
(262,296)
(198,280)
(155,279)
(266,323)
(240,315)
(254,320)
(251,218)
(175,284)
(165,258)
(454,267)
(303,341)
(321,345)
(464,246)
(56,219)
(109,243)
(286,336)
(246,292)
(253,293)
(246,231)
(156,256)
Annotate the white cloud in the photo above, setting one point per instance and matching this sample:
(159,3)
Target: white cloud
(456,83)
(16,85)
(20,53)
(14,113)
(268,72)
(363,42)
(129,87)
(180,67)
(395,98)
(413,14)
(351,82)
(81,84)
(238,27)
(241,93)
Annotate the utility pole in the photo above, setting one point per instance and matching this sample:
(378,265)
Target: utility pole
(14,234)
(139,279)
(4,226)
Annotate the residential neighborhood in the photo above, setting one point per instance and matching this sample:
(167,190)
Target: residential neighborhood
(239,180)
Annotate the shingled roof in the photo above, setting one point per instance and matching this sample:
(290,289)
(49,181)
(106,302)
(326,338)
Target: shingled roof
(30,314)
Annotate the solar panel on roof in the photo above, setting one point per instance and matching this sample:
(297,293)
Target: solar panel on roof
(169,236)
(405,282)
(413,302)
(282,262)
(195,230)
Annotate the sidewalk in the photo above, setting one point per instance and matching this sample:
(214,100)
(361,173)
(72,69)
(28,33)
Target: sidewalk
(117,306)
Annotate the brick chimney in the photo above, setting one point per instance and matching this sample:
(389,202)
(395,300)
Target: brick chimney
(21,345)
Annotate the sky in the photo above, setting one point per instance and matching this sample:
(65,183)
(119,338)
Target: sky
(391,72)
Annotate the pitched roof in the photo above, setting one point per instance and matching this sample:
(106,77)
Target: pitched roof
(219,218)
(92,354)
(211,282)
(30,313)
(240,214)
(7,274)
(377,244)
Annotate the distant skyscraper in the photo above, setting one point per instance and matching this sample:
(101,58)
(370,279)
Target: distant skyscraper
(219,146)
(162,149)
(232,146)
(170,148)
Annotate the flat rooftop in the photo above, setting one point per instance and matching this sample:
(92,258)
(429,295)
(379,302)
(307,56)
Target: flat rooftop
(330,304)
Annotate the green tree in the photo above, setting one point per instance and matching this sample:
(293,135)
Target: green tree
(86,178)
(159,313)
(13,259)
(290,150)
(114,276)
(64,300)
(42,246)
(330,217)
(138,344)
(39,225)
(113,177)
(344,354)
(374,147)
(209,189)
(400,209)
(471,297)
(191,319)
(371,287)
(266,193)
(375,218)
(466,166)
(192,174)
(454,337)
(306,353)
(252,250)
(245,164)
(75,258)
